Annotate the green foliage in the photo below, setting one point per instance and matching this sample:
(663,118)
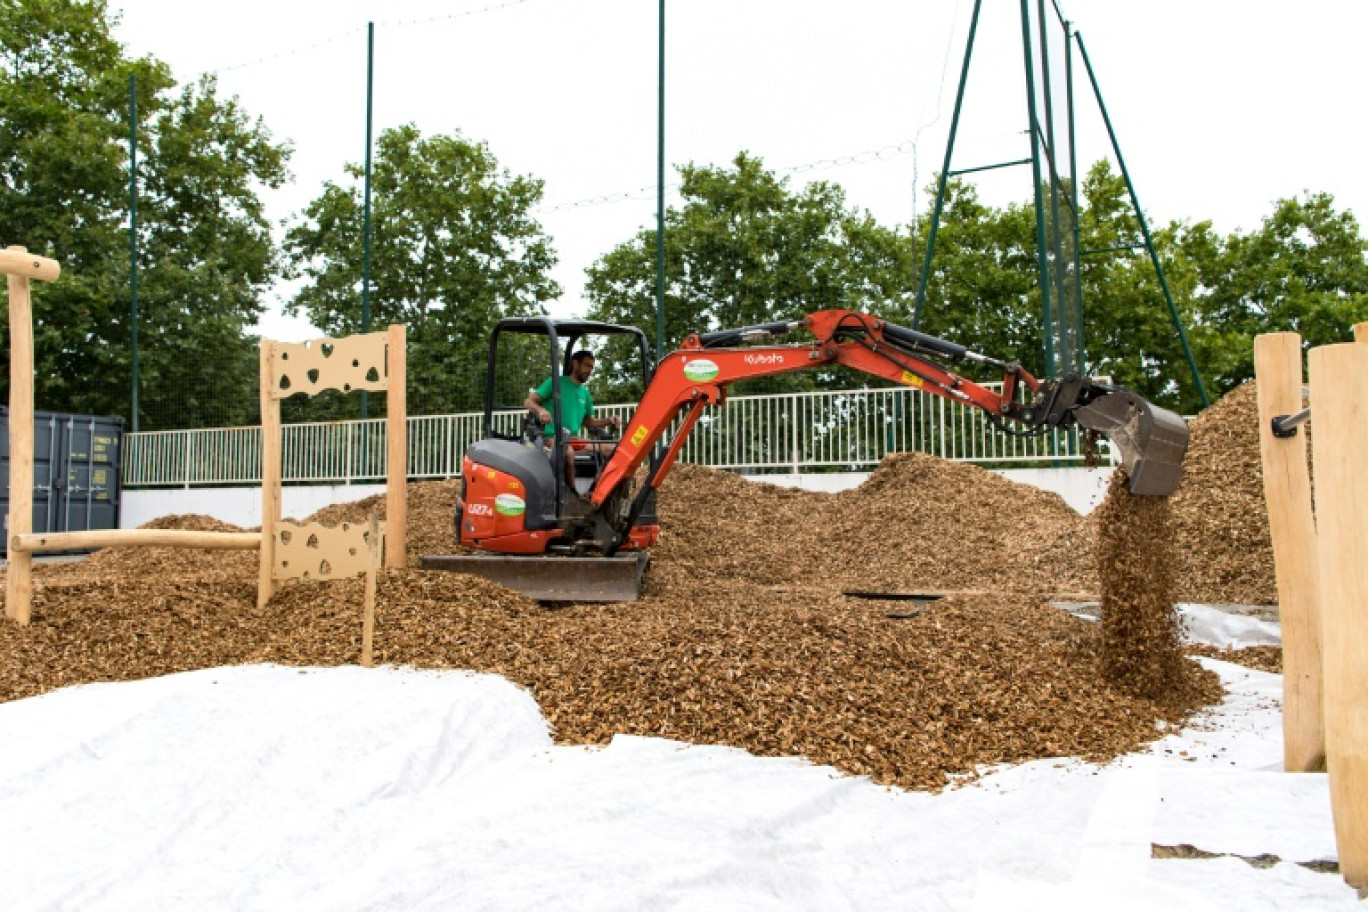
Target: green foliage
(454,248)
(982,290)
(745,249)
(205,249)
(1303,270)
(210,256)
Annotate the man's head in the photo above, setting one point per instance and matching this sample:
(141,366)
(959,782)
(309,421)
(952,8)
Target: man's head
(581,365)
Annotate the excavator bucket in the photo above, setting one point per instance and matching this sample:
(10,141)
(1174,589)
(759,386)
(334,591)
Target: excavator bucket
(549,578)
(1152,441)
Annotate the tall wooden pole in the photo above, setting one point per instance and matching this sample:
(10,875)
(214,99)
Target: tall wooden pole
(270,472)
(1339,397)
(368,609)
(396,451)
(1292,525)
(20,266)
(19,579)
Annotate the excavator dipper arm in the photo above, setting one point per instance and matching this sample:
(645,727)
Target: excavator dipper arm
(1152,440)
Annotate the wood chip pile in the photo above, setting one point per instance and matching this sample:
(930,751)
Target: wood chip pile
(744,638)
(911,700)
(918,524)
(1224,552)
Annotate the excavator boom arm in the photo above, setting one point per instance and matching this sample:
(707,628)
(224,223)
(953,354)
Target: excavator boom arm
(699,373)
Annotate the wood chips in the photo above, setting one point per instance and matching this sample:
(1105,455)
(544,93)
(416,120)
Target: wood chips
(1224,551)
(744,638)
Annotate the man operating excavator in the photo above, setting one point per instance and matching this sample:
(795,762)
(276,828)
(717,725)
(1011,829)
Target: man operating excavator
(577,409)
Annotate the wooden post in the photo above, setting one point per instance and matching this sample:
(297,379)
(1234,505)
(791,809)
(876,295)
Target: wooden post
(1339,397)
(19,578)
(368,621)
(270,472)
(20,266)
(396,454)
(1292,525)
(126,538)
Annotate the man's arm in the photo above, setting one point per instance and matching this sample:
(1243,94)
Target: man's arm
(533,403)
(611,421)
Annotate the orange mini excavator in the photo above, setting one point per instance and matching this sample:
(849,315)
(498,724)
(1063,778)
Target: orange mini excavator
(530,530)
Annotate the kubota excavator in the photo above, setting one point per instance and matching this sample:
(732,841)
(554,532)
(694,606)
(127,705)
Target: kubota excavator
(553,542)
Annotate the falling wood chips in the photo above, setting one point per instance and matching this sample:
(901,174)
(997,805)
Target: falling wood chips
(744,637)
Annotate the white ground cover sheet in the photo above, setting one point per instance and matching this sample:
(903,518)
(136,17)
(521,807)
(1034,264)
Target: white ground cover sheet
(264,787)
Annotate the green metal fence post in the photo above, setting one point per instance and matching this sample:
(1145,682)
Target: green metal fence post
(1062,314)
(1080,356)
(1042,256)
(133,234)
(366,211)
(1144,228)
(660,193)
(945,169)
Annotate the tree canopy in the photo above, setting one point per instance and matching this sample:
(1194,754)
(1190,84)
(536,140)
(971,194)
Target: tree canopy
(454,248)
(205,251)
(744,249)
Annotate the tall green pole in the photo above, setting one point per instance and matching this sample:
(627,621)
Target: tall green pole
(366,209)
(660,194)
(1042,256)
(1144,227)
(945,169)
(1080,350)
(133,232)
(1062,313)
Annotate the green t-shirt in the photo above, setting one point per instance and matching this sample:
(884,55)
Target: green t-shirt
(576,404)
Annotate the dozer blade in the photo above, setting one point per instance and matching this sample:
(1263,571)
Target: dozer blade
(553,579)
(1152,440)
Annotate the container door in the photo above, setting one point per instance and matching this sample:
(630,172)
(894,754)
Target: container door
(89,494)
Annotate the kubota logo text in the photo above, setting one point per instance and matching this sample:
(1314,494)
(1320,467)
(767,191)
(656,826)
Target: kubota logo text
(764,359)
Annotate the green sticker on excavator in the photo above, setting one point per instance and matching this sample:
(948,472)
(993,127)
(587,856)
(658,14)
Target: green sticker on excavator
(700,370)
(509,505)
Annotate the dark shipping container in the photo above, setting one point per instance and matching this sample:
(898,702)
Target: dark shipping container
(76,472)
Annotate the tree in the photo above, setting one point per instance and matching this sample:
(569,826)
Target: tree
(745,249)
(205,250)
(211,257)
(984,287)
(1128,330)
(1303,271)
(454,249)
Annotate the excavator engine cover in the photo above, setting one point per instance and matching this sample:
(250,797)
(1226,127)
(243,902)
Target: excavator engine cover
(1152,440)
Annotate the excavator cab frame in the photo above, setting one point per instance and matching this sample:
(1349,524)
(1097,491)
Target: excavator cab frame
(514,490)
(556,331)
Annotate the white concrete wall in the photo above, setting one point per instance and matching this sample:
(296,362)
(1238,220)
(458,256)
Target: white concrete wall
(1081,489)
(239,506)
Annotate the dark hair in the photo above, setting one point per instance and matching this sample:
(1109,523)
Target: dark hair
(580,355)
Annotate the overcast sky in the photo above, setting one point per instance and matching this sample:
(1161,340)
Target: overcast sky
(1221,107)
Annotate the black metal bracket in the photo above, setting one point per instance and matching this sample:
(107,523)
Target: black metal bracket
(1286,425)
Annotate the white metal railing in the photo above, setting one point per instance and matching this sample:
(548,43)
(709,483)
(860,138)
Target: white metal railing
(790,432)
